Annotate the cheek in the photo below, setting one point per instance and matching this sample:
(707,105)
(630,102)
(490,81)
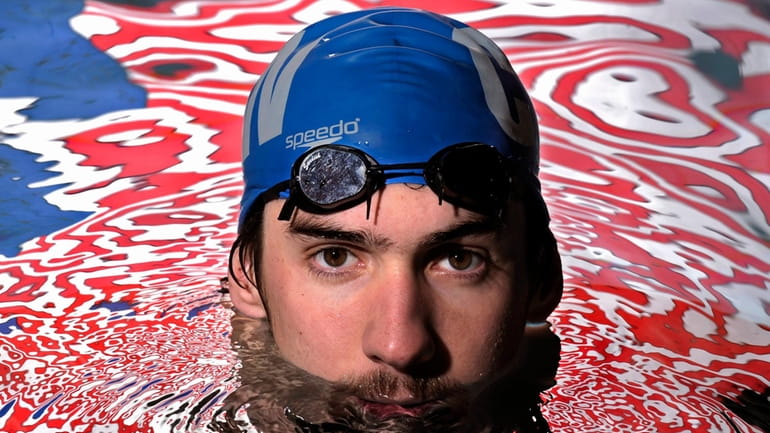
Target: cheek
(484,339)
(508,336)
(308,334)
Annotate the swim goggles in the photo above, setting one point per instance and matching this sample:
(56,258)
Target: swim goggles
(331,178)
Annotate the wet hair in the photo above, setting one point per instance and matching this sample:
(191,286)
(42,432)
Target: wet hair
(247,248)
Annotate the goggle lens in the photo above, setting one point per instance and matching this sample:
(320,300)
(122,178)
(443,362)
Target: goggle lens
(329,176)
(473,176)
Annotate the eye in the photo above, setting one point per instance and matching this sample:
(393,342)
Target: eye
(334,257)
(461,260)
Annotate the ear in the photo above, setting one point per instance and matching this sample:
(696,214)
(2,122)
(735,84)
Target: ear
(550,285)
(243,293)
(538,356)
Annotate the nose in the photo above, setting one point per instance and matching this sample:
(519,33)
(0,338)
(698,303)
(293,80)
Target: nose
(399,332)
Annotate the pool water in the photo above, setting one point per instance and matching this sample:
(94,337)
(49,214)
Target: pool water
(119,170)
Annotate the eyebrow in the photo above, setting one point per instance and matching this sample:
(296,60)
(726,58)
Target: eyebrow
(473,227)
(313,228)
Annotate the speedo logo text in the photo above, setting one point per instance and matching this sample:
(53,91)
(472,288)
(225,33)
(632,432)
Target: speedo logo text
(322,135)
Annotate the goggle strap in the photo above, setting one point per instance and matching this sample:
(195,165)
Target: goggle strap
(288,209)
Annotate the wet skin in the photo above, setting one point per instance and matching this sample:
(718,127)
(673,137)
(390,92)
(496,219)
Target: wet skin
(416,291)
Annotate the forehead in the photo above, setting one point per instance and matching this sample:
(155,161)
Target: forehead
(400,213)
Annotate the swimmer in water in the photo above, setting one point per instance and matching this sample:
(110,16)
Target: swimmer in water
(394,262)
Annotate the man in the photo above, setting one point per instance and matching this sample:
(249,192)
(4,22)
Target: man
(392,229)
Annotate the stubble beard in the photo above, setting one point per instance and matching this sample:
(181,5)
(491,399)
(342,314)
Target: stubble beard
(353,404)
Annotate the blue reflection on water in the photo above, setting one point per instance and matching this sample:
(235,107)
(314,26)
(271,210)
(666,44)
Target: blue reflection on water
(70,78)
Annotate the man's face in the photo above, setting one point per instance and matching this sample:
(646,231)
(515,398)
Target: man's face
(417,292)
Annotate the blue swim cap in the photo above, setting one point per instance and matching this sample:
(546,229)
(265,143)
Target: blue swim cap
(399,84)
